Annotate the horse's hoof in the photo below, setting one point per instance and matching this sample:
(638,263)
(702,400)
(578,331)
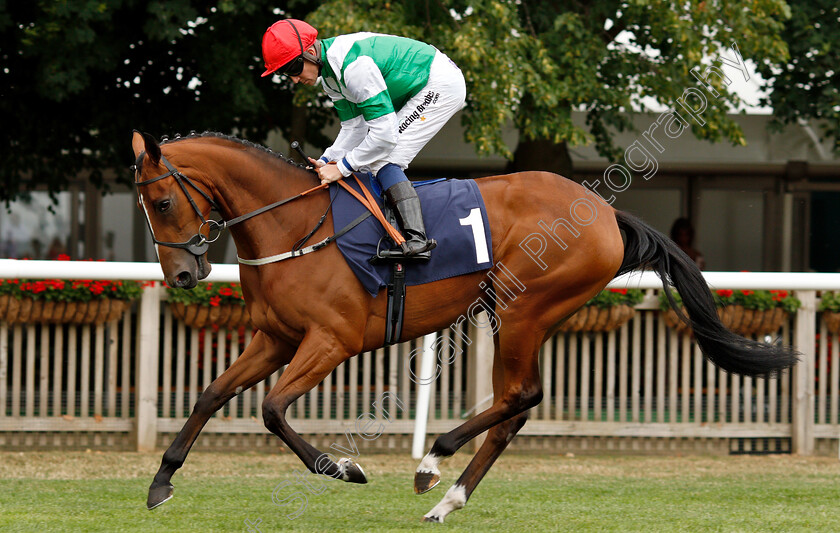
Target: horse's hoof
(433,519)
(158,494)
(425,481)
(351,472)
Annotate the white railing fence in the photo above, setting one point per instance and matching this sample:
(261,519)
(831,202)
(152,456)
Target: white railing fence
(131,383)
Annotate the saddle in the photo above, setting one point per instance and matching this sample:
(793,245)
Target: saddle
(455,217)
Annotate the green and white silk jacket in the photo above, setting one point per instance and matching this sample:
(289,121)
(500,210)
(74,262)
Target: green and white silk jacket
(369,77)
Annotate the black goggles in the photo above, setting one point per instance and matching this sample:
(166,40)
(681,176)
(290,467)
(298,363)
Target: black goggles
(293,67)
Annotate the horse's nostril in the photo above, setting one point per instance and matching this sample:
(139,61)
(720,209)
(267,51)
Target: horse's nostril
(184,279)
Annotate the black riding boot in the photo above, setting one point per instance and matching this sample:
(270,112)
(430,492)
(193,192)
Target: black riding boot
(403,198)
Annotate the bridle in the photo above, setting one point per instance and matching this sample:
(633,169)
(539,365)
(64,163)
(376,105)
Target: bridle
(198,244)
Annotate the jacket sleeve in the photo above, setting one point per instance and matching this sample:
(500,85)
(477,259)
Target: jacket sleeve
(366,90)
(353,126)
(352,133)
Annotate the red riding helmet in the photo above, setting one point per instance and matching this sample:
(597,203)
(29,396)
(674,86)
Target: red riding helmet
(284,41)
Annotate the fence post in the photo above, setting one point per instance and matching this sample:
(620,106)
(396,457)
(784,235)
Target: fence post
(803,375)
(424,384)
(480,368)
(148,338)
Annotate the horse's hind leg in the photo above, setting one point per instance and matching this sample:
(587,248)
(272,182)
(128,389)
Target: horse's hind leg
(317,356)
(497,440)
(260,359)
(517,388)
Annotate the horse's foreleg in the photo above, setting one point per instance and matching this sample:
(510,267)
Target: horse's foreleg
(318,355)
(259,360)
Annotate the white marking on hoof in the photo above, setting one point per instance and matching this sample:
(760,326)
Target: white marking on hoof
(344,463)
(455,498)
(429,464)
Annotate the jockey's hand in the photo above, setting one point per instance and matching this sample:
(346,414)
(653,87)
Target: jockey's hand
(317,163)
(329,173)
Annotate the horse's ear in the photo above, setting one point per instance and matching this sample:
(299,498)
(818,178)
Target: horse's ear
(143,142)
(137,143)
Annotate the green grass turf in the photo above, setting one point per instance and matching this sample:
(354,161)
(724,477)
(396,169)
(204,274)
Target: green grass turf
(77,492)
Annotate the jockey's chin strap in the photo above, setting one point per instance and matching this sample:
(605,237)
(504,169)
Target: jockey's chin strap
(198,244)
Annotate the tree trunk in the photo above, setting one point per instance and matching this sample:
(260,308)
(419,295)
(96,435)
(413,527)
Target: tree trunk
(542,155)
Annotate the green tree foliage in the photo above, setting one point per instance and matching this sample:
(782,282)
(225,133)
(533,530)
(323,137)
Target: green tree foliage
(531,62)
(76,76)
(808,86)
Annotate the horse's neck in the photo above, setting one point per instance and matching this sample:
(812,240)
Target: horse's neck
(252,181)
(249,183)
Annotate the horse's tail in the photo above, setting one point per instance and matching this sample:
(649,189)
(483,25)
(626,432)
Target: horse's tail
(647,248)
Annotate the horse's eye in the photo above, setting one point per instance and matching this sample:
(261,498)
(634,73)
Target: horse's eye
(163,206)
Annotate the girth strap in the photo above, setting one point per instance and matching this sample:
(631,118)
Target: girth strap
(395,313)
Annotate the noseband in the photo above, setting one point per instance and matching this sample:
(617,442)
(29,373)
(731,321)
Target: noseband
(198,244)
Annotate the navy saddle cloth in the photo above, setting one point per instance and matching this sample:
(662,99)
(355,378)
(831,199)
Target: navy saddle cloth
(455,216)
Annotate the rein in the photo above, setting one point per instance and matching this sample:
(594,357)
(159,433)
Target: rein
(198,244)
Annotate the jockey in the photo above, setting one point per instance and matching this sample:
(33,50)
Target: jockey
(392,95)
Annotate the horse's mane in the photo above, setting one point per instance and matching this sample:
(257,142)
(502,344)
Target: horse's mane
(231,138)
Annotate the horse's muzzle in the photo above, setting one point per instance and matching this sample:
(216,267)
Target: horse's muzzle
(184,280)
(204,267)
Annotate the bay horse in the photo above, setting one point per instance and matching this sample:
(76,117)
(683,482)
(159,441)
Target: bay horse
(311,313)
